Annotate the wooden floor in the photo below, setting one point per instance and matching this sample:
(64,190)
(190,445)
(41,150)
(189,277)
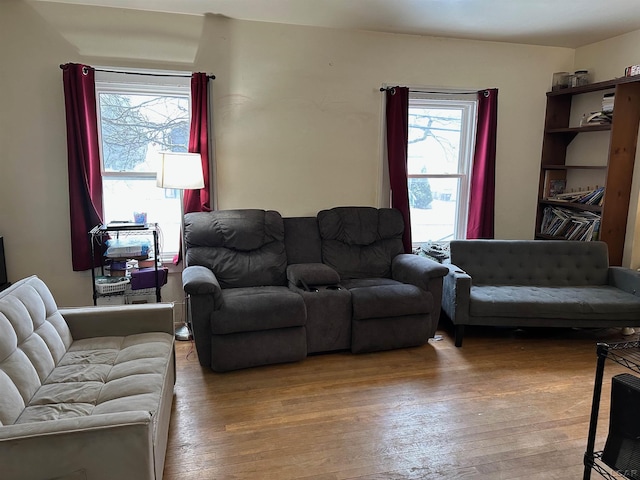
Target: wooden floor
(510,404)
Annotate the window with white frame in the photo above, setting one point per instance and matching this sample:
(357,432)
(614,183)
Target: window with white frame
(440,152)
(140,115)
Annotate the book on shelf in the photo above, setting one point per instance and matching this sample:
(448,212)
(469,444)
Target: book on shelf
(555,182)
(570,225)
(607,102)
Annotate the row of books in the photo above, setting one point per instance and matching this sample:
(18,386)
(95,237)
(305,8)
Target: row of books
(587,197)
(570,225)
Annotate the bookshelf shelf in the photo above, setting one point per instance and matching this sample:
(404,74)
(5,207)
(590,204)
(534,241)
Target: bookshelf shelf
(602,127)
(574,167)
(594,87)
(617,168)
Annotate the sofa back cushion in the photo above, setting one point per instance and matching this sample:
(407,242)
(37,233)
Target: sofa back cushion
(532,262)
(33,339)
(302,240)
(244,248)
(361,242)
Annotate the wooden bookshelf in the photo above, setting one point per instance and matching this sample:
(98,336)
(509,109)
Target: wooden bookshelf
(617,167)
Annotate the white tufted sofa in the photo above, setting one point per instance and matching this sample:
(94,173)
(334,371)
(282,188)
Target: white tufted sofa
(85,393)
(538,283)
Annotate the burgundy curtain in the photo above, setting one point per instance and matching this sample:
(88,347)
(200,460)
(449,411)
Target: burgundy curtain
(85,180)
(482,193)
(199,200)
(397,140)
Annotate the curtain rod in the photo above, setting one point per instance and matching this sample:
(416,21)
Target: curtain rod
(149,74)
(392,89)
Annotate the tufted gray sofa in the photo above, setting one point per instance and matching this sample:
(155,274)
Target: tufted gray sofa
(84,392)
(263,289)
(538,283)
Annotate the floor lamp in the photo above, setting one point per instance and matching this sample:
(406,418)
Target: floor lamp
(181,171)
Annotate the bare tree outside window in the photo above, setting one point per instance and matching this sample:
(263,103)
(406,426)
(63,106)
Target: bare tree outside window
(131,124)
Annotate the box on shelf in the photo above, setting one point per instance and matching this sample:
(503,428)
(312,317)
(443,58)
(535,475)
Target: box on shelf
(137,299)
(632,70)
(110,300)
(146,278)
(146,263)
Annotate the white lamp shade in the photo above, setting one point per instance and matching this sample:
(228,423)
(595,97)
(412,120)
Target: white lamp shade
(182,171)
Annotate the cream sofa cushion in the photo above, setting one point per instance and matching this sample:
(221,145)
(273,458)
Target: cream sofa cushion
(124,374)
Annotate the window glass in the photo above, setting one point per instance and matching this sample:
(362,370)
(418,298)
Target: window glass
(441,132)
(138,117)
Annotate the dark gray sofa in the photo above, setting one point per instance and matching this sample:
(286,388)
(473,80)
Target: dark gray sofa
(263,289)
(538,283)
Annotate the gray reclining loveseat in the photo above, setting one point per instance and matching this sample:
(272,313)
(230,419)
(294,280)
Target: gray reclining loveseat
(263,289)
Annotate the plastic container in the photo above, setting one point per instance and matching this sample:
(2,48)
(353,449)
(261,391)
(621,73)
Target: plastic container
(579,78)
(561,80)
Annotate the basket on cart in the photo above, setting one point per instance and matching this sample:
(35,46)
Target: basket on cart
(107,285)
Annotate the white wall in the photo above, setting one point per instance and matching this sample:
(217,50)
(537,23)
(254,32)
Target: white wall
(297,114)
(607,60)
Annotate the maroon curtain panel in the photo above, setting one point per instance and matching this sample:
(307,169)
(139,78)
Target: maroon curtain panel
(483,175)
(199,200)
(397,117)
(83,154)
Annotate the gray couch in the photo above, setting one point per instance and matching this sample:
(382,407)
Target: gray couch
(263,289)
(84,392)
(538,283)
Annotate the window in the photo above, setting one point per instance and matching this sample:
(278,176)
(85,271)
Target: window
(440,151)
(138,117)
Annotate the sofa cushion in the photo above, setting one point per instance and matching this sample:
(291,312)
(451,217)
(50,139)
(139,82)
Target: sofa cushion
(532,262)
(104,375)
(361,242)
(312,274)
(244,248)
(258,308)
(243,230)
(380,298)
(302,240)
(597,302)
(33,339)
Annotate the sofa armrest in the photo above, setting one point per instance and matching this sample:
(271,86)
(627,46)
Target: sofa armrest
(199,280)
(625,279)
(100,447)
(205,297)
(422,272)
(456,293)
(87,322)
(416,270)
(305,274)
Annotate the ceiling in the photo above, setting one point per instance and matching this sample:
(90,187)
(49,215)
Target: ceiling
(563,23)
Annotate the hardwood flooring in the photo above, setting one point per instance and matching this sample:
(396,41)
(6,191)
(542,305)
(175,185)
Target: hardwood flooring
(509,404)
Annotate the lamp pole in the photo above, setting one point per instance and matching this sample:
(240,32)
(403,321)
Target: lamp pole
(181,171)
